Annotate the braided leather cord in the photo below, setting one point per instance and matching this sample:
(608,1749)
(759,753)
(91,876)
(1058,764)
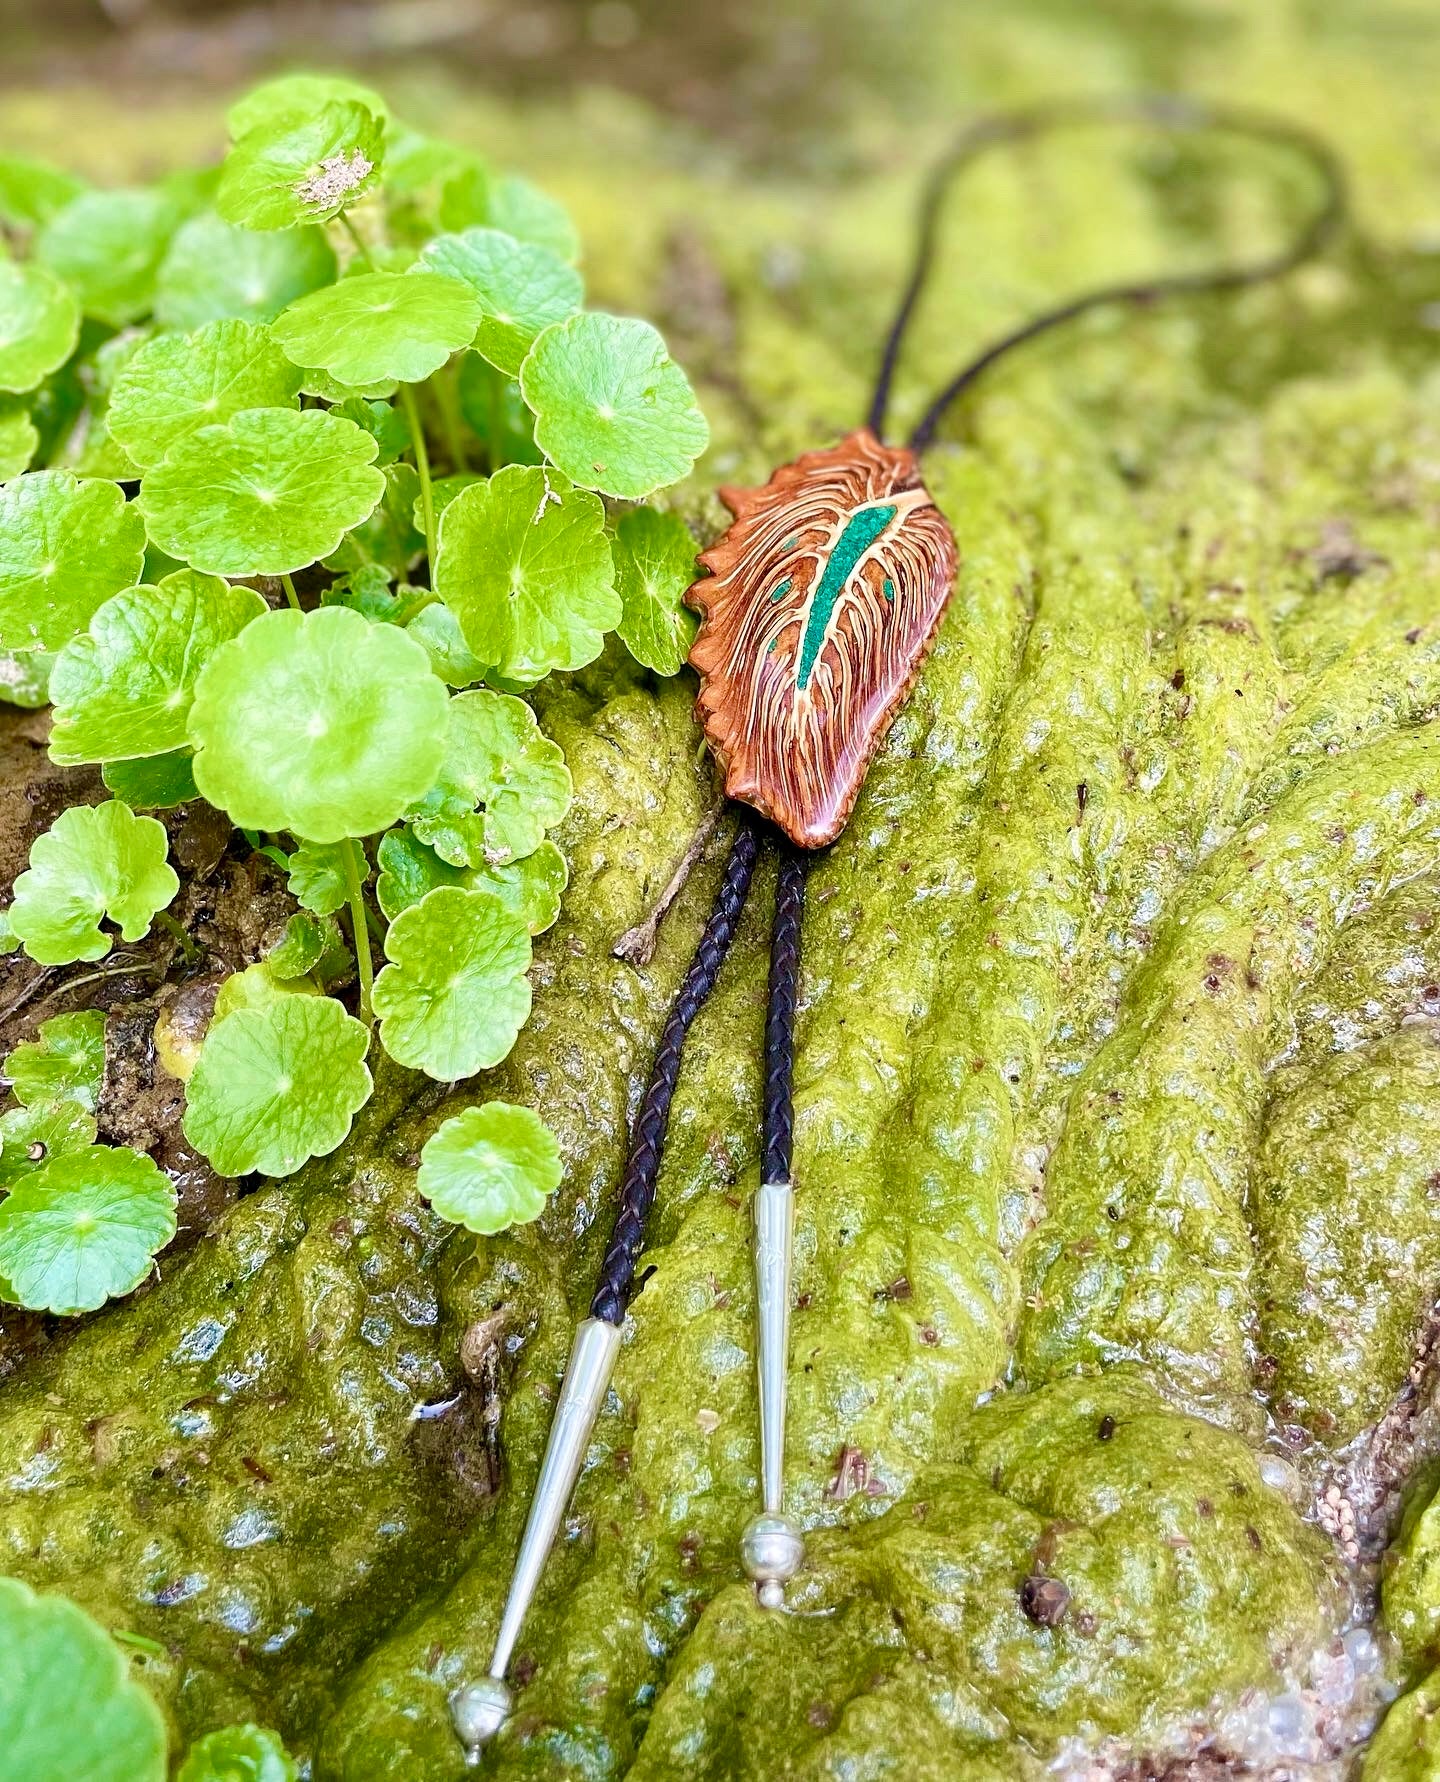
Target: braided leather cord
(780,1016)
(647,1144)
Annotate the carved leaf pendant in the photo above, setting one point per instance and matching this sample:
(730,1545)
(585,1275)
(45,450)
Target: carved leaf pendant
(823,598)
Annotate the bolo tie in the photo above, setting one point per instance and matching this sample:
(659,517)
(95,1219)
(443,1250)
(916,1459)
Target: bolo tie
(821,602)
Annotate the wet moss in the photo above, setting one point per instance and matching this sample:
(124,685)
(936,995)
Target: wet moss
(1134,903)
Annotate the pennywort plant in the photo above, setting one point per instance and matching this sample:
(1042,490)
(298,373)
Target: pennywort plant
(74,1706)
(314,465)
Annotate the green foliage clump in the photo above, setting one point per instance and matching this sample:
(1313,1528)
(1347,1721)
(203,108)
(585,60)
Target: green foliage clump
(312,465)
(80,1222)
(71,1707)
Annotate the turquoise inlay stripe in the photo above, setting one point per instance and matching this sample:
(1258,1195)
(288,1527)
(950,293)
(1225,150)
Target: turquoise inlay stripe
(889,589)
(781,591)
(861,532)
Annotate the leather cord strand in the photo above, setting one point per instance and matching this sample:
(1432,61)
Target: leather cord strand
(1163,111)
(779,1128)
(647,1143)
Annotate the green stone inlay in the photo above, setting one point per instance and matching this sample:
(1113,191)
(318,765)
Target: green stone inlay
(861,532)
(889,589)
(790,543)
(779,593)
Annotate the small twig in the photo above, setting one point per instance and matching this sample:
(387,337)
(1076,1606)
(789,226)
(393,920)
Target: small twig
(118,966)
(31,990)
(637,945)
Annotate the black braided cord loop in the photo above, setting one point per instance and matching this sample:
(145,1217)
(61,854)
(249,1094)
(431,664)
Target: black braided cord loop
(779,1126)
(647,1144)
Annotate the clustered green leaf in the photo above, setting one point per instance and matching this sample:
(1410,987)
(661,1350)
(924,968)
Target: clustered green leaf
(69,1706)
(80,1222)
(72,1709)
(334,472)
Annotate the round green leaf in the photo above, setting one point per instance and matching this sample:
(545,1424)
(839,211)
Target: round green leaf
(298,96)
(524,564)
(123,688)
(246,1753)
(317,877)
(455,994)
(65,1063)
(39,325)
(301,167)
(93,861)
(25,677)
(450,654)
(254,988)
(490,1168)
(409,869)
(366,591)
(268,492)
(380,325)
(451,657)
(69,1707)
(612,408)
(84,1228)
(216,270)
(305,942)
(314,382)
(65,546)
(30,1137)
(319,723)
(277,1085)
(156,784)
(178,383)
(18,439)
(531,887)
(495,757)
(522,289)
(107,247)
(654,565)
(31,192)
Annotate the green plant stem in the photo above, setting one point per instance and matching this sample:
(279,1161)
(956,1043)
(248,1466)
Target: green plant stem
(415,601)
(422,464)
(362,253)
(178,935)
(496,418)
(447,405)
(288,581)
(359,924)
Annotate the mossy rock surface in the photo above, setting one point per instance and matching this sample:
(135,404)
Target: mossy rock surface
(1137,901)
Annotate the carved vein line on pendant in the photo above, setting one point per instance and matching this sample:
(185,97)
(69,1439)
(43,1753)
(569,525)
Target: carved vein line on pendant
(858,541)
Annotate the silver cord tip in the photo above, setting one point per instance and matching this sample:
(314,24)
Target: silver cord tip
(478,1711)
(771,1549)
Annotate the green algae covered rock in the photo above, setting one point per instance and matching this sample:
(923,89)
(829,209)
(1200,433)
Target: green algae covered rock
(1407,1746)
(1117,1007)
(1410,1601)
(1156,1527)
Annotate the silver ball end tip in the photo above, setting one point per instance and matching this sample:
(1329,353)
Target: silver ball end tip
(771,1594)
(478,1711)
(771,1549)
